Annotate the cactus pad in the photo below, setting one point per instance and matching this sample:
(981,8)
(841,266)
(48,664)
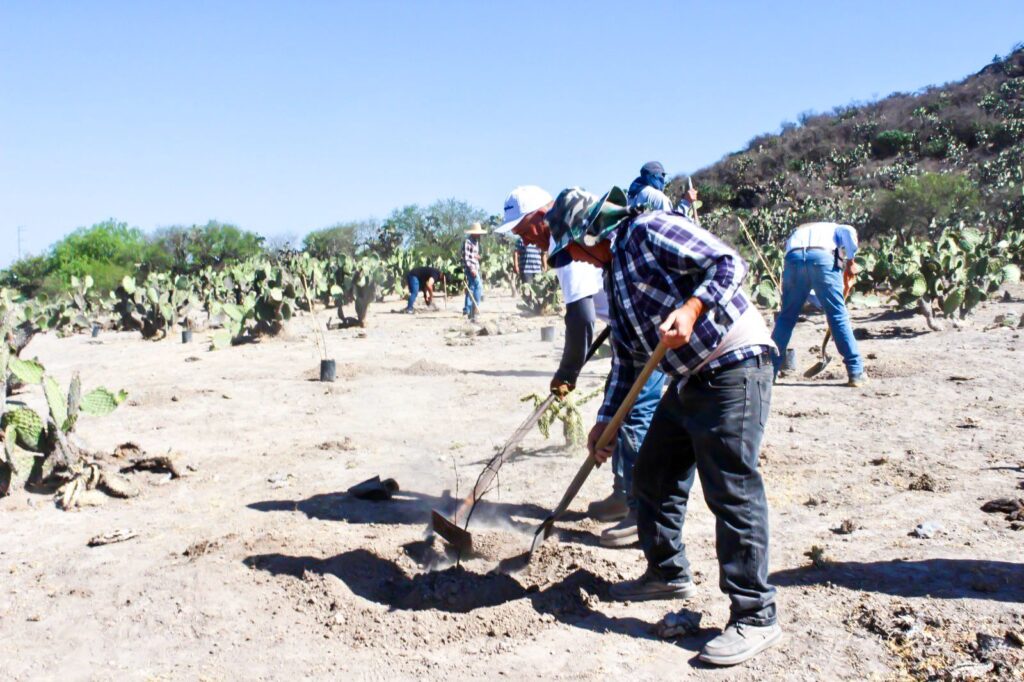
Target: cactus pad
(27,371)
(100,401)
(56,401)
(28,426)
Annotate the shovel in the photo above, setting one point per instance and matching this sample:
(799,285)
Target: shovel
(607,437)
(459,537)
(821,364)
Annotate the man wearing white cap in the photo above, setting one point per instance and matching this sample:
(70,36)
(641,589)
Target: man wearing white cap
(582,291)
(586,300)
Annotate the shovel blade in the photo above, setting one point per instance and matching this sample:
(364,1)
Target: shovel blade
(818,367)
(542,533)
(459,538)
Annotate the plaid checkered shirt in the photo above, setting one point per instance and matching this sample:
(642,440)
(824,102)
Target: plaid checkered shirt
(659,261)
(471,257)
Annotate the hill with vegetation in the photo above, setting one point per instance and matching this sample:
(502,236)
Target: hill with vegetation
(910,164)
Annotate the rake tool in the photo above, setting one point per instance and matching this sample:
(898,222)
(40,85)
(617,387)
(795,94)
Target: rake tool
(547,526)
(459,537)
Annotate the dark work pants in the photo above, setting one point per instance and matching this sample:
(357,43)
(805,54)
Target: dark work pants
(712,428)
(580,320)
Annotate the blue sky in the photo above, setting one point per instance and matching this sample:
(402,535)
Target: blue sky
(285,116)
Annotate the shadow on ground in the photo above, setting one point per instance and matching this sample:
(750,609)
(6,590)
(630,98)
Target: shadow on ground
(456,590)
(933,578)
(405,507)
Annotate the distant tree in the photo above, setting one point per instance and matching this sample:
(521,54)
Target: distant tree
(189,249)
(27,275)
(107,251)
(340,238)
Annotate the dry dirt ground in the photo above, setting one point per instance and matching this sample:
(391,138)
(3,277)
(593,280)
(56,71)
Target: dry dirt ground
(257,564)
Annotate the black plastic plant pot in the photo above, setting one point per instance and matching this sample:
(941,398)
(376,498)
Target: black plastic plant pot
(789,363)
(186,336)
(95,330)
(328,370)
(547,334)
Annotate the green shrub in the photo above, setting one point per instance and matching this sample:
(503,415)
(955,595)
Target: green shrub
(936,148)
(891,142)
(920,204)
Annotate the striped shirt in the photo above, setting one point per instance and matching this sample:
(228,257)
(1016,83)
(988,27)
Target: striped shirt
(529,258)
(471,257)
(659,261)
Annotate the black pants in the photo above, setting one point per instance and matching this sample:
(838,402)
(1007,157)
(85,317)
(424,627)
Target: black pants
(713,427)
(580,320)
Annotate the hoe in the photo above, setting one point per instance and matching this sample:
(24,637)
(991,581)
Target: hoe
(547,527)
(459,537)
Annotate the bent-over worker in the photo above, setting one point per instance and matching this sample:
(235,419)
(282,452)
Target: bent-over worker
(672,282)
(421,278)
(819,258)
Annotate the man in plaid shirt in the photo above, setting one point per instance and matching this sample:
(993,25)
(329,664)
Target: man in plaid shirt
(471,267)
(672,282)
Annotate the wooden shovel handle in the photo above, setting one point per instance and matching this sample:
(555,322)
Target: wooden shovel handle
(610,430)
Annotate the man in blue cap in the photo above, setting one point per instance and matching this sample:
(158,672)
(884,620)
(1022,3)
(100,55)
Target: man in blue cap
(673,283)
(648,191)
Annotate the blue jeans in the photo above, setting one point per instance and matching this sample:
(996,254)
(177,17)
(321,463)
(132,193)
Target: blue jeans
(477,288)
(816,271)
(414,290)
(632,433)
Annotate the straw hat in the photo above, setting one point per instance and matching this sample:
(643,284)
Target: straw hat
(476,228)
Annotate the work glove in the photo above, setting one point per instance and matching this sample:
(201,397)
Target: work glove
(678,326)
(561,388)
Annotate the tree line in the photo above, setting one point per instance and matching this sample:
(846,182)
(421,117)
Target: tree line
(109,250)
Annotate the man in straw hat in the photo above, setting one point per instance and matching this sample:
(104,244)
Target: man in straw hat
(674,283)
(583,291)
(471,267)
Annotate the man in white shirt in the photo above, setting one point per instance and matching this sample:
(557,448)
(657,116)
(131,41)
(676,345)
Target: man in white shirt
(819,258)
(586,301)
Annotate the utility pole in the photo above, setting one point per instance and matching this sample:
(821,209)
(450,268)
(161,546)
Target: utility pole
(20,228)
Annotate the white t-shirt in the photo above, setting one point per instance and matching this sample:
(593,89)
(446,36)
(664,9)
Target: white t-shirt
(580,280)
(827,236)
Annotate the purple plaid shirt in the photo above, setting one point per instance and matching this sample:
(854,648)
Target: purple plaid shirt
(471,257)
(659,261)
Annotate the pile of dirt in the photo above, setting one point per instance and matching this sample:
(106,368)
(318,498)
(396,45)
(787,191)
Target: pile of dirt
(428,368)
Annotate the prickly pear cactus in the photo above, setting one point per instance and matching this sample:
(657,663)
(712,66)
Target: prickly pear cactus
(56,401)
(29,428)
(26,371)
(100,401)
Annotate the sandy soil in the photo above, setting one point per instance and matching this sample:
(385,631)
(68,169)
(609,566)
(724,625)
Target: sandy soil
(258,565)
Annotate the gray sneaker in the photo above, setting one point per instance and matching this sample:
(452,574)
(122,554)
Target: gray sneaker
(740,642)
(622,534)
(610,509)
(649,586)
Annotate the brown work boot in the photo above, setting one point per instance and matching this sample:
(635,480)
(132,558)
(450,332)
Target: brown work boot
(649,586)
(622,534)
(611,508)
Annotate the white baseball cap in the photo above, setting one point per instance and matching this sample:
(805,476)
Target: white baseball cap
(520,201)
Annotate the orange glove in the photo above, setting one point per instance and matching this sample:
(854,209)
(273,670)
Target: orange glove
(849,273)
(678,326)
(561,388)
